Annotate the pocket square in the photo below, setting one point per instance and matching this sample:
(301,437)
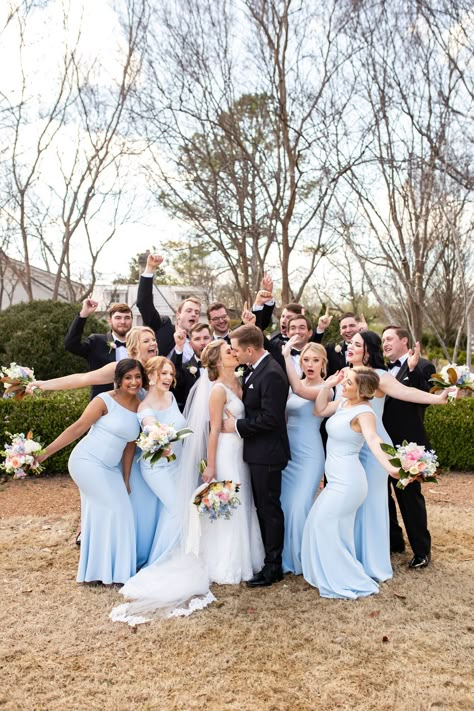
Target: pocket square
(250,387)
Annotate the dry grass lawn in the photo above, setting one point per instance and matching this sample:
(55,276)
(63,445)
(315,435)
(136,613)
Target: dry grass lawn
(408,648)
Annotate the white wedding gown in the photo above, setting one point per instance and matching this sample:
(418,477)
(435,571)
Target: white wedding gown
(224,551)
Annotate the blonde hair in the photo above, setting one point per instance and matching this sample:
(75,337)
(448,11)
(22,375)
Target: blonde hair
(367,381)
(318,350)
(156,365)
(193,299)
(133,339)
(211,356)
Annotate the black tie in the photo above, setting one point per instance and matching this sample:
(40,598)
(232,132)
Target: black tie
(294,352)
(120,344)
(250,368)
(395,364)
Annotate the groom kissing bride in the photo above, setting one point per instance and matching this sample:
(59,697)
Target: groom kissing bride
(266,446)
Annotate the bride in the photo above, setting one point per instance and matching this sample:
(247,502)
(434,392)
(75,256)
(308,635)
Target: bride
(222,551)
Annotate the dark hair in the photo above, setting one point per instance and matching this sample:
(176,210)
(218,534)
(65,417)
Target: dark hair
(373,354)
(294,308)
(124,366)
(299,317)
(215,306)
(198,327)
(348,314)
(248,336)
(401,332)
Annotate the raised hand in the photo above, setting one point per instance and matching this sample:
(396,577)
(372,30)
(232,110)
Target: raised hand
(262,297)
(324,320)
(248,318)
(267,284)
(286,350)
(414,356)
(89,306)
(179,338)
(363,324)
(152,263)
(335,379)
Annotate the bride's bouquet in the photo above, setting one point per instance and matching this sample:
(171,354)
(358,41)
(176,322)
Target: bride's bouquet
(155,441)
(217,499)
(458,375)
(21,455)
(15,380)
(414,462)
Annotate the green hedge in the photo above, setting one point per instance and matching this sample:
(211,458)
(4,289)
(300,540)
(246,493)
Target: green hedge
(450,431)
(47,415)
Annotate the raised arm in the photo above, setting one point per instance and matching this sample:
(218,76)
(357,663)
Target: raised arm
(101,376)
(217,400)
(73,339)
(145,304)
(391,386)
(297,385)
(324,406)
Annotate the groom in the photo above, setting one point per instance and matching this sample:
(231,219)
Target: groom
(266,447)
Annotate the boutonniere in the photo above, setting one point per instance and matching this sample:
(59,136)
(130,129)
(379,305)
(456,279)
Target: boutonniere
(111,346)
(239,372)
(192,369)
(337,348)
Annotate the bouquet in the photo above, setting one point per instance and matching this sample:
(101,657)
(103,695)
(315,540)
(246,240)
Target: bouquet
(452,374)
(414,462)
(155,441)
(217,499)
(15,380)
(20,455)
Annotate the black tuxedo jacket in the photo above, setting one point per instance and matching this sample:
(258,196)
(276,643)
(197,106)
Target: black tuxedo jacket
(405,420)
(162,326)
(263,428)
(94,349)
(187,375)
(336,361)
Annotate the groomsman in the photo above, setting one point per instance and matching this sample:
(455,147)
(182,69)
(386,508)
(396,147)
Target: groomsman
(219,320)
(349,325)
(405,420)
(266,446)
(290,310)
(188,312)
(100,348)
(187,374)
(300,328)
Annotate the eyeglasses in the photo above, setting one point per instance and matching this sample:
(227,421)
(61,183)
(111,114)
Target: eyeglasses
(219,318)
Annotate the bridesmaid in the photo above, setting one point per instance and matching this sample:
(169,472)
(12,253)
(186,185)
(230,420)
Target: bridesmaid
(100,465)
(328,550)
(372,530)
(141,345)
(303,474)
(162,478)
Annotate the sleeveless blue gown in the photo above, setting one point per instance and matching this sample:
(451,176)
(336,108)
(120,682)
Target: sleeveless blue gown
(301,478)
(372,524)
(161,478)
(108,543)
(328,550)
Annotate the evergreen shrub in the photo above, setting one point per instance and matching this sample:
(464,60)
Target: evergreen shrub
(450,431)
(47,415)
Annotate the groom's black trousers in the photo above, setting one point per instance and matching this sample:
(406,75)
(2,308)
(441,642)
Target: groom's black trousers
(266,487)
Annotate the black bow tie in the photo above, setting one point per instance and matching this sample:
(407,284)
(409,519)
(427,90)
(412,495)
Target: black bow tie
(120,344)
(285,339)
(395,364)
(250,368)
(294,352)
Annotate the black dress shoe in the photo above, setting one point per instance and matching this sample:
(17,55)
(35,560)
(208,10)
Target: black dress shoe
(419,561)
(264,580)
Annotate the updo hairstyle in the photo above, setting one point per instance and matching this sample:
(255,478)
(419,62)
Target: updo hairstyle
(367,381)
(210,357)
(156,365)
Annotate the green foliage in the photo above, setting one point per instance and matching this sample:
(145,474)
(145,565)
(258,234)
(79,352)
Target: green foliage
(47,415)
(32,335)
(450,431)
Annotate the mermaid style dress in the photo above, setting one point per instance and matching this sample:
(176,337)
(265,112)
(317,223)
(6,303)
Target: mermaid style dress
(108,543)
(328,549)
(161,478)
(301,478)
(372,523)
(232,549)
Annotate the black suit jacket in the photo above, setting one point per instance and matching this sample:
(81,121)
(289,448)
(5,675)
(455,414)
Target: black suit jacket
(94,349)
(162,326)
(187,375)
(405,420)
(336,361)
(263,428)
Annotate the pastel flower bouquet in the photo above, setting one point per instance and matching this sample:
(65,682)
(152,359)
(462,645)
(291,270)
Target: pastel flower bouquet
(21,455)
(453,375)
(414,462)
(155,441)
(15,380)
(217,499)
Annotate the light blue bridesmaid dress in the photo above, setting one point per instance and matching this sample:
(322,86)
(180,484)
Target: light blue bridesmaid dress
(108,542)
(328,550)
(300,479)
(162,480)
(372,523)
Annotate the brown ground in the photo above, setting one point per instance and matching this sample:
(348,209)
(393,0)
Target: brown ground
(284,648)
